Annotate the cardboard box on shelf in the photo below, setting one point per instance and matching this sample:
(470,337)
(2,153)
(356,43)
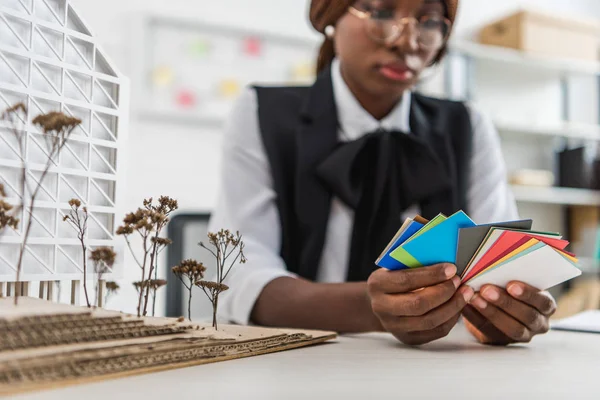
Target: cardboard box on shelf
(532,177)
(545,34)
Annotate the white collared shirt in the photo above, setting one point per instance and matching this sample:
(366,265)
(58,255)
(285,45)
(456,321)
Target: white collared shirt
(246,200)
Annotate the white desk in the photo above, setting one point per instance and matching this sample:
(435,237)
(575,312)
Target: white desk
(560,365)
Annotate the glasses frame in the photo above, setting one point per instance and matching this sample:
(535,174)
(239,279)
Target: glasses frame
(400,24)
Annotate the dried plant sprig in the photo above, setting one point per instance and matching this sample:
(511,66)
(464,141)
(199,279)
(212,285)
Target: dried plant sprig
(57,122)
(57,128)
(103,259)
(189,272)
(153,285)
(111,288)
(212,290)
(148,221)
(78,219)
(15,109)
(225,245)
(6,219)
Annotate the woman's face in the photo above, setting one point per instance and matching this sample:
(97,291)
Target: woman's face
(385,68)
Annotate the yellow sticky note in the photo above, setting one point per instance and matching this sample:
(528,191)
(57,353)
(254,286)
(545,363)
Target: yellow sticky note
(229,88)
(163,76)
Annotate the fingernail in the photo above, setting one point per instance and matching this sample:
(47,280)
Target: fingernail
(456,282)
(516,290)
(468,293)
(478,302)
(491,294)
(450,271)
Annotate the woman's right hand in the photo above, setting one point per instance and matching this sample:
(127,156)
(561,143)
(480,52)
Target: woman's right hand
(418,305)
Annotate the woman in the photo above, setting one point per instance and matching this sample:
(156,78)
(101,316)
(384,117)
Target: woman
(319,179)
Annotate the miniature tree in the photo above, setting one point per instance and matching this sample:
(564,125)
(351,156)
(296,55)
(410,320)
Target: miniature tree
(103,259)
(225,246)
(151,285)
(57,128)
(189,272)
(111,288)
(154,285)
(212,291)
(148,222)
(79,219)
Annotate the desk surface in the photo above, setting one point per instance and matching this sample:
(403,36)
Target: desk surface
(375,366)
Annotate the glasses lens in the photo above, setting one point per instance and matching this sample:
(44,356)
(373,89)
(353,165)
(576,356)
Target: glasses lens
(382,29)
(433,32)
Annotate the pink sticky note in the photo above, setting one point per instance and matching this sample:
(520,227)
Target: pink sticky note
(253,46)
(186,99)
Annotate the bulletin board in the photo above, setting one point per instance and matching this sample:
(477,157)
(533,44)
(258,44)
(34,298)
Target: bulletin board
(193,72)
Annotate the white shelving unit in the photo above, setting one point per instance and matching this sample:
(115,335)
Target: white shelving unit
(568,130)
(524,60)
(476,52)
(556,195)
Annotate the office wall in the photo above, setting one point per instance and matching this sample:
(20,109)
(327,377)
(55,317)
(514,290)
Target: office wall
(181,161)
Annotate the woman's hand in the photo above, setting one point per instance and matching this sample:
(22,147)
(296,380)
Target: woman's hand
(515,315)
(420,305)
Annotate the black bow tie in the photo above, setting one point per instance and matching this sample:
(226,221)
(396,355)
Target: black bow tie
(380,175)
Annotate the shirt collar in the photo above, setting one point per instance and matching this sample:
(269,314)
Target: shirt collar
(354,120)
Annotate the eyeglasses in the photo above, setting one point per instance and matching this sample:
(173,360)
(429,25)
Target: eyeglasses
(382,26)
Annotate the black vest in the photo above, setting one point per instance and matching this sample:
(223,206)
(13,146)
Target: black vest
(299,129)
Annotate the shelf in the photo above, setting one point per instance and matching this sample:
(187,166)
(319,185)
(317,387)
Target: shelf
(571,130)
(185,118)
(522,59)
(556,195)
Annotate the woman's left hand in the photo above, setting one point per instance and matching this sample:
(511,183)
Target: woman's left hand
(500,317)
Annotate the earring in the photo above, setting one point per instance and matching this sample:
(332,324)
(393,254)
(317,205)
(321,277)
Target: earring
(329,31)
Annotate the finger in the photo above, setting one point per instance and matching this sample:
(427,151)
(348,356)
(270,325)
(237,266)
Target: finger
(385,281)
(542,301)
(512,328)
(419,338)
(484,330)
(438,316)
(415,303)
(529,316)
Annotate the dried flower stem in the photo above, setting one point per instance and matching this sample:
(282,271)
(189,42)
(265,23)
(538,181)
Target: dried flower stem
(57,128)
(194,272)
(80,224)
(145,241)
(111,287)
(103,259)
(225,244)
(148,221)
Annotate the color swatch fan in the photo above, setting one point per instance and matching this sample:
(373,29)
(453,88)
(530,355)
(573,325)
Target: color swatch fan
(493,254)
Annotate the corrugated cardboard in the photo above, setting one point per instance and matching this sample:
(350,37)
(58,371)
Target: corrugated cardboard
(544,34)
(99,356)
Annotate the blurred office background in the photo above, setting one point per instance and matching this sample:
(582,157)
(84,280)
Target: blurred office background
(187,61)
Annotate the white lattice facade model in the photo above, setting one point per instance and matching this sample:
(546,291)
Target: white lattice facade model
(50,61)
